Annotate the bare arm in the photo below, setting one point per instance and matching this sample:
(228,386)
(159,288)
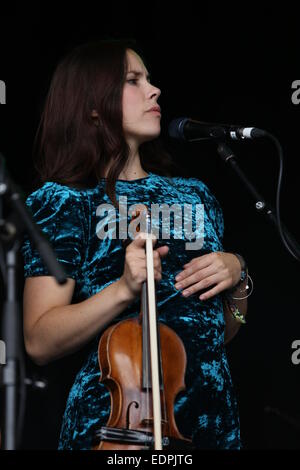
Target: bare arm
(54,328)
(64,328)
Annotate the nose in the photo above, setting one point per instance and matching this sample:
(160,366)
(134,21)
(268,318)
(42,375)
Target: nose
(155,91)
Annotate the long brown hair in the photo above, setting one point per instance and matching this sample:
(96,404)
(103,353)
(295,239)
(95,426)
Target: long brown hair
(69,148)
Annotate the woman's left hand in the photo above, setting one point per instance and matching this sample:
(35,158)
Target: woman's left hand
(218,269)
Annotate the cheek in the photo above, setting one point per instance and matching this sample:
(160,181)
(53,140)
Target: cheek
(131,101)
(131,112)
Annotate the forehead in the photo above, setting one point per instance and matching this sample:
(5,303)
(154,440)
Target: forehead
(134,61)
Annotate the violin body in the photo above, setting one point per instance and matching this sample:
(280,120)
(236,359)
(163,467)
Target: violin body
(120,356)
(142,363)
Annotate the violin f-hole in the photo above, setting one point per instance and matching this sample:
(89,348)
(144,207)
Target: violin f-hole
(128,413)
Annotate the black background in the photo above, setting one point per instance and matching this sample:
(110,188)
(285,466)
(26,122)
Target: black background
(213,64)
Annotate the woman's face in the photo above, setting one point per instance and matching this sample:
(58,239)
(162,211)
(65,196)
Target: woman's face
(139,124)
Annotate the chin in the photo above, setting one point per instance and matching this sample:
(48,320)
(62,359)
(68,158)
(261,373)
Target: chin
(151,135)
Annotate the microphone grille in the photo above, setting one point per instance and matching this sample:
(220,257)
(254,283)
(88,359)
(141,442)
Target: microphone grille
(176,128)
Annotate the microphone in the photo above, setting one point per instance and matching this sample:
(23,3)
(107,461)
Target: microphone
(191,131)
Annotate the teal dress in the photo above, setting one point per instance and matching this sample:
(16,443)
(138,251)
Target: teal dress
(83,229)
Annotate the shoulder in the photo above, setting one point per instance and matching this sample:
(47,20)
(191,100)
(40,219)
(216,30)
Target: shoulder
(55,206)
(58,211)
(56,195)
(200,190)
(193,185)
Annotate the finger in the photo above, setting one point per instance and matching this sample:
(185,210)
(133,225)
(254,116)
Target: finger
(198,265)
(197,276)
(162,250)
(140,240)
(201,261)
(194,260)
(134,253)
(157,274)
(214,291)
(205,283)
(203,272)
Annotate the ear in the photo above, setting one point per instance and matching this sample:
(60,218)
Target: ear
(95,116)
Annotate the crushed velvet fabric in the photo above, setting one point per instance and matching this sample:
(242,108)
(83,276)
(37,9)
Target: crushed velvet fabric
(73,221)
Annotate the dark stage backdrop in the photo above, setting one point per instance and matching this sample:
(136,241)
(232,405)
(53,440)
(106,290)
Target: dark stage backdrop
(213,67)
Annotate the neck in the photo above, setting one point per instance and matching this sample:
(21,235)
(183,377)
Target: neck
(133,169)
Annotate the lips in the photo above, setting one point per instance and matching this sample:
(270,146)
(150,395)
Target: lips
(155,108)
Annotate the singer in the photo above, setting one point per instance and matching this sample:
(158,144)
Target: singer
(99,139)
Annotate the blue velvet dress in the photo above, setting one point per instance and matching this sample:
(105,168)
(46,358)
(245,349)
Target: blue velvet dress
(74,222)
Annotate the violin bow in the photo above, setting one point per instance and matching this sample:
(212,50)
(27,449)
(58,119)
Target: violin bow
(152,316)
(153,339)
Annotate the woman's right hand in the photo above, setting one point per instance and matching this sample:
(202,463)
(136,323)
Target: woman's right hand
(135,272)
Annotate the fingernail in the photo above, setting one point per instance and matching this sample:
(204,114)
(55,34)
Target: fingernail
(185,293)
(178,285)
(178,277)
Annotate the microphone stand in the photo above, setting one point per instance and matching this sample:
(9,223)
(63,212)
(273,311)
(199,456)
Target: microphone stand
(13,371)
(11,333)
(261,205)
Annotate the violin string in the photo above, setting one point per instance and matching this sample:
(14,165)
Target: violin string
(163,389)
(147,348)
(147,375)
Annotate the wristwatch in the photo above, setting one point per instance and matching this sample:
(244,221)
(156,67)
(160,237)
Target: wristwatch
(244,268)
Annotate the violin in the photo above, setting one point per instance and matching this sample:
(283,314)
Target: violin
(142,363)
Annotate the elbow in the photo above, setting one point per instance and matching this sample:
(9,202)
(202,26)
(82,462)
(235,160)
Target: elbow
(35,352)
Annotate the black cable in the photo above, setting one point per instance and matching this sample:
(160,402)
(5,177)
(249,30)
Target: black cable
(287,239)
(292,250)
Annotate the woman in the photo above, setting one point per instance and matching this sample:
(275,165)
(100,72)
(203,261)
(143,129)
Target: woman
(98,142)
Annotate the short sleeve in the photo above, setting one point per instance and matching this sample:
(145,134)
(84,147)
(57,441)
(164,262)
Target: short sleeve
(59,212)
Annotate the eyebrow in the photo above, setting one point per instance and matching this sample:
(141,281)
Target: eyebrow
(138,74)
